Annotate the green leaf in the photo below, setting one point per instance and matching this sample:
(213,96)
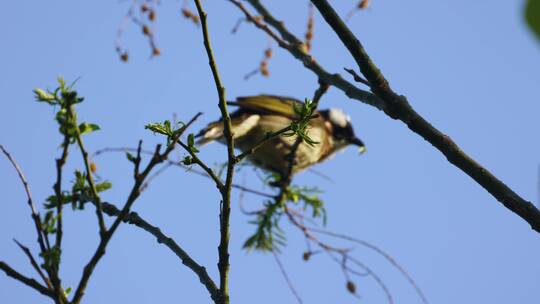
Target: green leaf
(67,291)
(161,128)
(51,257)
(130,157)
(85,128)
(103,186)
(191,143)
(187,160)
(532,16)
(43,96)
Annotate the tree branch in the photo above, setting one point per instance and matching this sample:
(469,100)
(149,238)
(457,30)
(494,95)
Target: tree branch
(397,107)
(134,219)
(30,201)
(295,47)
(134,194)
(89,177)
(34,264)
(268,137)
(223,248)
(25,280)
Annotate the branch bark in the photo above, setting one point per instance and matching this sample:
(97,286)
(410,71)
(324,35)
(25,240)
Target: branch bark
(25,280)
(134,219)
(394,105)
(397,107)
(225,212)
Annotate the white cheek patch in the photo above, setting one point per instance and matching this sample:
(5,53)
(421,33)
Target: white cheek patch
(338,117)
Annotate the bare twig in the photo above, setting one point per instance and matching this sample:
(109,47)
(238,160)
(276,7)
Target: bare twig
(89,176)
(140,178)
(379,251)
(30,201)
(188,168)
(223,248)
(34,264)
(295,47)
(25,280)
(286,277)
(268,137)
(198,161)
(134,219)
(357,77)
(344,256)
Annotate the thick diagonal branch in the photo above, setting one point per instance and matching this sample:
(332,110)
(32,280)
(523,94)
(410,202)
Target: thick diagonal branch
(134,219)
(397,107)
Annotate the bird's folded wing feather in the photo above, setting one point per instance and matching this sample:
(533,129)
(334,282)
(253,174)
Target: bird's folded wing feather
(268,104)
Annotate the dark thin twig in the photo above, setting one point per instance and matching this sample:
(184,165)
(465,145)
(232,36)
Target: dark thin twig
(268,137)
(286,277)
(357,77)
(198,161)
(25,280)
(225,212)
(134,219)
(379,251)
(89,176)
(30,201)
(34,264)
(294,46)
(344,253)
(178,164)
(156,159)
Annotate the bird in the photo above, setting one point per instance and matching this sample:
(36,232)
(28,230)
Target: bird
(259,115)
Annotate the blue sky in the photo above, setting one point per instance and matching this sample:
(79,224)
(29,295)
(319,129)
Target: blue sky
(469,67)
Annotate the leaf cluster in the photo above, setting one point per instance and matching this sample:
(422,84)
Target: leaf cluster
(166,128)
(80,193)
(65,97)
(304,113)
(268,235)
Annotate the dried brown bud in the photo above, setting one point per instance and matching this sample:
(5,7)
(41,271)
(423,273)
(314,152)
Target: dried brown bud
(363,4)
(124,57)
(190,15)
(351,287)
(152,15)
(187,13)
(268,53)
(144,7)
(93,167)
(156,52)
(306,256)
(145,30)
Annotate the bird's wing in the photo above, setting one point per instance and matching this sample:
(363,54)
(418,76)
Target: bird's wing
(241,124)
(268,104)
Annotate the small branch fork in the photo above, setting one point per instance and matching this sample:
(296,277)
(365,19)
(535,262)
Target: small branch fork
(296,218)
(140,178)
(384,98)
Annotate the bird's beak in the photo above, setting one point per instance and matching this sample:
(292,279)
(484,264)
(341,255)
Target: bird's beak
(358,142)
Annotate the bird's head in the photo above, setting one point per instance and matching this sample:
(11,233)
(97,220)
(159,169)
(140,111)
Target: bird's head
(341,129)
